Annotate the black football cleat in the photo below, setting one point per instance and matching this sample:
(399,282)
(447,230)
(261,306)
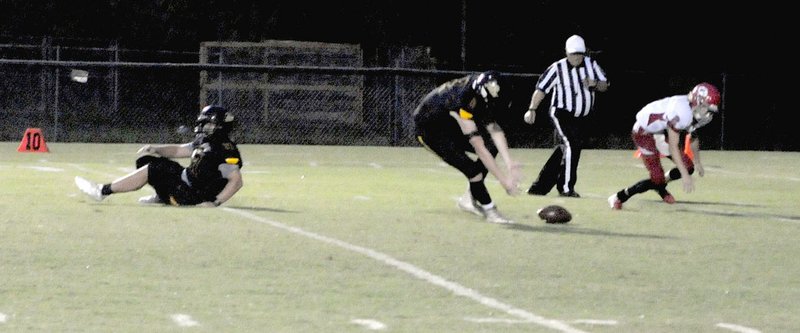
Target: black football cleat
(570,194)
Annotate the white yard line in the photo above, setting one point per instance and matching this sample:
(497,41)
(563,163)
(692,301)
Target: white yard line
(370,324)
(744,175)
(418,273)
(748,175)
(252,172)
(43,168)
(495,320)
(606,322)
(737,328)
(184,320)
(3,318)
(82,168)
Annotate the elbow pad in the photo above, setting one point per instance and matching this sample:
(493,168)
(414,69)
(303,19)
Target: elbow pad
(472,134)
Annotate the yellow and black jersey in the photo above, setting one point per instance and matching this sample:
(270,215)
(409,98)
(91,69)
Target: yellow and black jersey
(456,95)
(210,158)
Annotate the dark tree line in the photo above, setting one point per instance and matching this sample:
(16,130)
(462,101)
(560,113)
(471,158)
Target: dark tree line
(649,49)
(525,36)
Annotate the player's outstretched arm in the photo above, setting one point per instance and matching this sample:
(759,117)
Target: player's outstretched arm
(470,129)
(500,141)
(488,161)
(673,137)
(168,150)
(698,163)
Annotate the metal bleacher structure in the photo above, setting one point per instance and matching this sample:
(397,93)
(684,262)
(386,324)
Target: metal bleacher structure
(280,100)
(283,92)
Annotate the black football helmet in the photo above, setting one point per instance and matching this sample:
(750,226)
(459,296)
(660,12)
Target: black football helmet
(486,85)
(214,121)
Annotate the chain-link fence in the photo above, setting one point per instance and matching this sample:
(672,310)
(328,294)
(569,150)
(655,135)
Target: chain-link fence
(147,102)
(126,102)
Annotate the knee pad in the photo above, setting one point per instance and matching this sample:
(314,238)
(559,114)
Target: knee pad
(477,178)
(145,160)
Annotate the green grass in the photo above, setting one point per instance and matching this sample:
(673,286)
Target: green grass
(289,253)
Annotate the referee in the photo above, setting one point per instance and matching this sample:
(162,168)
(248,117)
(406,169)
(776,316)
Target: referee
(575,79)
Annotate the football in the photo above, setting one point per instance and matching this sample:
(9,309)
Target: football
(554,214)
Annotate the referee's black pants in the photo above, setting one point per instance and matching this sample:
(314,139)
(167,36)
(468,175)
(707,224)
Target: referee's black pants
(561,169)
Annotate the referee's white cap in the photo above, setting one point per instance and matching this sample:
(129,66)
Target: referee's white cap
(575,44)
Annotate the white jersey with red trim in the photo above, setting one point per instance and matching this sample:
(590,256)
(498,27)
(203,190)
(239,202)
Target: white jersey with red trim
(674,112)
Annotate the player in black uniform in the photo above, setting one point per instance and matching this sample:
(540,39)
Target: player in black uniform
(458,117)
(212,177)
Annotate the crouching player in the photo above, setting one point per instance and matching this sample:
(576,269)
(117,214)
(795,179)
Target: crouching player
(669,118)
(457,118)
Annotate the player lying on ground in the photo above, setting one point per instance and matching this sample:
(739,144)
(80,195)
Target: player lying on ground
(212,177)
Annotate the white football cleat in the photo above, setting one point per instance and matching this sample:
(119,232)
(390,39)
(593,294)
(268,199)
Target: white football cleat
(90,188)
(494,216)
(150,199)
(467,204)
(614,202)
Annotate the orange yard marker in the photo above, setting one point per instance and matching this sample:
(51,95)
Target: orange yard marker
(33,142)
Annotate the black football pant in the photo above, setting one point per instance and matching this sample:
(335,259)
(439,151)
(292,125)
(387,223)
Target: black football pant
(453,149)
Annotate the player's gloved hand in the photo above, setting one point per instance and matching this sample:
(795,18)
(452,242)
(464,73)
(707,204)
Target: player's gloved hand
(530,116)
(146,150)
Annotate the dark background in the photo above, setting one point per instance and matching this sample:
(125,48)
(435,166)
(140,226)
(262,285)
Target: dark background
(648,49)
(665,36)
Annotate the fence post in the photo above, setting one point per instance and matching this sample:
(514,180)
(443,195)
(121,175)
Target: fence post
(393,115)
(220,99)
(44,75)
(56,94)
(722,114)
(115,73)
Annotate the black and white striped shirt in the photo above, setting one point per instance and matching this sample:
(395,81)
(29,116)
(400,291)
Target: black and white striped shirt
(571,94)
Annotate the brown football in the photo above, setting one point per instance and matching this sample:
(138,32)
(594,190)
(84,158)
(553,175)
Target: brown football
(554,214)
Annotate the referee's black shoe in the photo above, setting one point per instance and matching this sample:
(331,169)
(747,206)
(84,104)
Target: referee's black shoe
(570,194)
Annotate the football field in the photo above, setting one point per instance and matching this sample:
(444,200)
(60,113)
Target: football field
(363,239)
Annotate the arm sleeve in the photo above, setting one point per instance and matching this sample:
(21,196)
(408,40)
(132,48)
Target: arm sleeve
(226,169)
(598,71)
(547,79)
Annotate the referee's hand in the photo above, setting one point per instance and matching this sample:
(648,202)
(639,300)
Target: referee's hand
(530,116)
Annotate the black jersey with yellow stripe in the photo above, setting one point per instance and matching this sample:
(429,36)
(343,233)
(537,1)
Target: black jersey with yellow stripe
(208,158)
(454,95)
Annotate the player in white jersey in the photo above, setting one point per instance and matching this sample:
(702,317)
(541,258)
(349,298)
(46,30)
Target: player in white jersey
(669,117)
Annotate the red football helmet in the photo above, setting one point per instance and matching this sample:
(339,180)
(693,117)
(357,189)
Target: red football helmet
(707,94)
